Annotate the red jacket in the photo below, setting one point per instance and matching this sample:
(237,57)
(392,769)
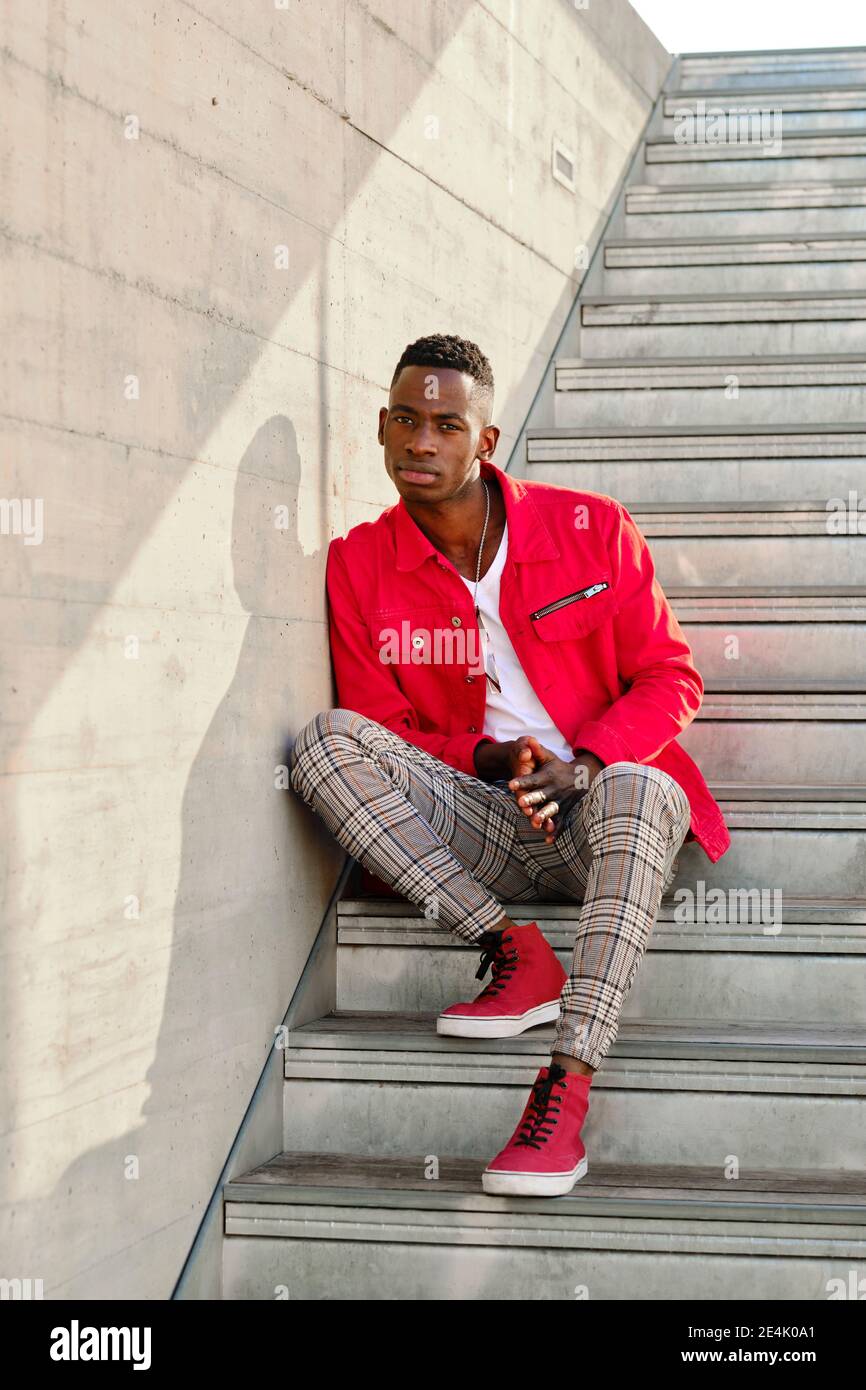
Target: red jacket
(611,666)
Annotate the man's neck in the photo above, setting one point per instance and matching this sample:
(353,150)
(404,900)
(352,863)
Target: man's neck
(455,527)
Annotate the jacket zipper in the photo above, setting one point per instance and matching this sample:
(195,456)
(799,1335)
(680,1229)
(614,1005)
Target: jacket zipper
(569,598)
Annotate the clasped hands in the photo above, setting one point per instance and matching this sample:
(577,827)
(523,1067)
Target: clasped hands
(546,786)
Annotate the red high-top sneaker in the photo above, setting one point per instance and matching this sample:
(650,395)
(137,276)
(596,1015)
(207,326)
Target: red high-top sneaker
(544,1156)
(524,989)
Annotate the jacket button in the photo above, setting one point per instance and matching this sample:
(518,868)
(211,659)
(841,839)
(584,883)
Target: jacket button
(472,729)
(469,679)
(456,622)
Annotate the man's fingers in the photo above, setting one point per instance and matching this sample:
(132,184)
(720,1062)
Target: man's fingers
(531,802)
(526,781)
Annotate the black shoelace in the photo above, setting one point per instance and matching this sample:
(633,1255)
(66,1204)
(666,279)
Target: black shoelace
(503,963)
(544,1109)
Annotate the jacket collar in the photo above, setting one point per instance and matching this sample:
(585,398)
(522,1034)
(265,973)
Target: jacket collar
(528,537)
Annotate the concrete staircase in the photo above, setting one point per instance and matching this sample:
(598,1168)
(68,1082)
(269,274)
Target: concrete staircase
(712,377)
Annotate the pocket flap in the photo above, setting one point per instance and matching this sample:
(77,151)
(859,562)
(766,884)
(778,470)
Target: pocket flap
(578,612)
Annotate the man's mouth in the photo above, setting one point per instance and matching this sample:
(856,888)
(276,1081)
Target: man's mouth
(416,475)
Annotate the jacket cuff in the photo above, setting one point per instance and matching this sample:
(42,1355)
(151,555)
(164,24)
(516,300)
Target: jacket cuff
(462,750)
(597,738)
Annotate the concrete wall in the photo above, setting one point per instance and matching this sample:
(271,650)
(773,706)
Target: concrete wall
(172,379)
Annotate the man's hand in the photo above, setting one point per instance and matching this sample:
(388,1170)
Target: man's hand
(550,790)
(510,758)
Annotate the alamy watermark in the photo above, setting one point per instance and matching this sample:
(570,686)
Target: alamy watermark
(726,906)
(22,516)
(700,124)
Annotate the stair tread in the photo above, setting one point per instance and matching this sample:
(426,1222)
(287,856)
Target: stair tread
(597,364)
(685,431)
(373,1180)
(747,186)
(729,296)
(419,1027)
(359,906)
(765,590)
(739,95)
(813,133)
(744,239)
(774,686)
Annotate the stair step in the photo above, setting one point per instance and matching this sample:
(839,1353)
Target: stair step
(740,324)
(601,311)
(703,197)
(763,738)
(397,1037)
(725,555)
(732,250)
(824,808)
(770,653)
(343,1225)
(800,706)
(683,373)
(691,443)
(772,391)
(768,604)
(774,1094)
(819,99)
(756,140)
(375,920)
(833,67)
(667,1191)
(643,464)
(800,847)
(811,926)
(734,264)
(735,208)
(758,956)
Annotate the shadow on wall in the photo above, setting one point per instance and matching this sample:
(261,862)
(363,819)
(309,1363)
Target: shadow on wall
(242,840)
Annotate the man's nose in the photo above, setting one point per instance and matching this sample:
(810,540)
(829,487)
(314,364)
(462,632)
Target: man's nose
(423,441)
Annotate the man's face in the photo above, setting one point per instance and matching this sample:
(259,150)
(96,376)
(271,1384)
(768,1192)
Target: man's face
(433,433)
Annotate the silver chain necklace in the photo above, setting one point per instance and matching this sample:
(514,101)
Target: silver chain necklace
(481,547)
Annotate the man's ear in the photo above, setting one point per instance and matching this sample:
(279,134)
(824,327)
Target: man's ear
(487,441)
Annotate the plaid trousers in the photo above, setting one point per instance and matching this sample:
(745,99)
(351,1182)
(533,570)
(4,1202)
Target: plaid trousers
(450,842)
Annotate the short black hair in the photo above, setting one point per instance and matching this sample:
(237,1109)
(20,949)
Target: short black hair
(446,350)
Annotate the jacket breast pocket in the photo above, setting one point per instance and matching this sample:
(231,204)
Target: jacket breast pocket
(574,611)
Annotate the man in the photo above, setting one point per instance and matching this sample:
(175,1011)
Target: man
(511,681)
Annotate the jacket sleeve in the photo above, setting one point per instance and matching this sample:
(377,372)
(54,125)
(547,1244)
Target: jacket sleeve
(665,690)
(369,686)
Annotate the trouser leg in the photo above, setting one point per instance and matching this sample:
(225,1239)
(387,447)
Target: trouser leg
(445,840)
(617,851)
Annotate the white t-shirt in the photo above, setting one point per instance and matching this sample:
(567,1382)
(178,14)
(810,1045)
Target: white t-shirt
(515,709)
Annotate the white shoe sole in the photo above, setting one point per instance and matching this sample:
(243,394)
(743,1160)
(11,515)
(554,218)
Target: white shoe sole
(532,1184)
(464,1026)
